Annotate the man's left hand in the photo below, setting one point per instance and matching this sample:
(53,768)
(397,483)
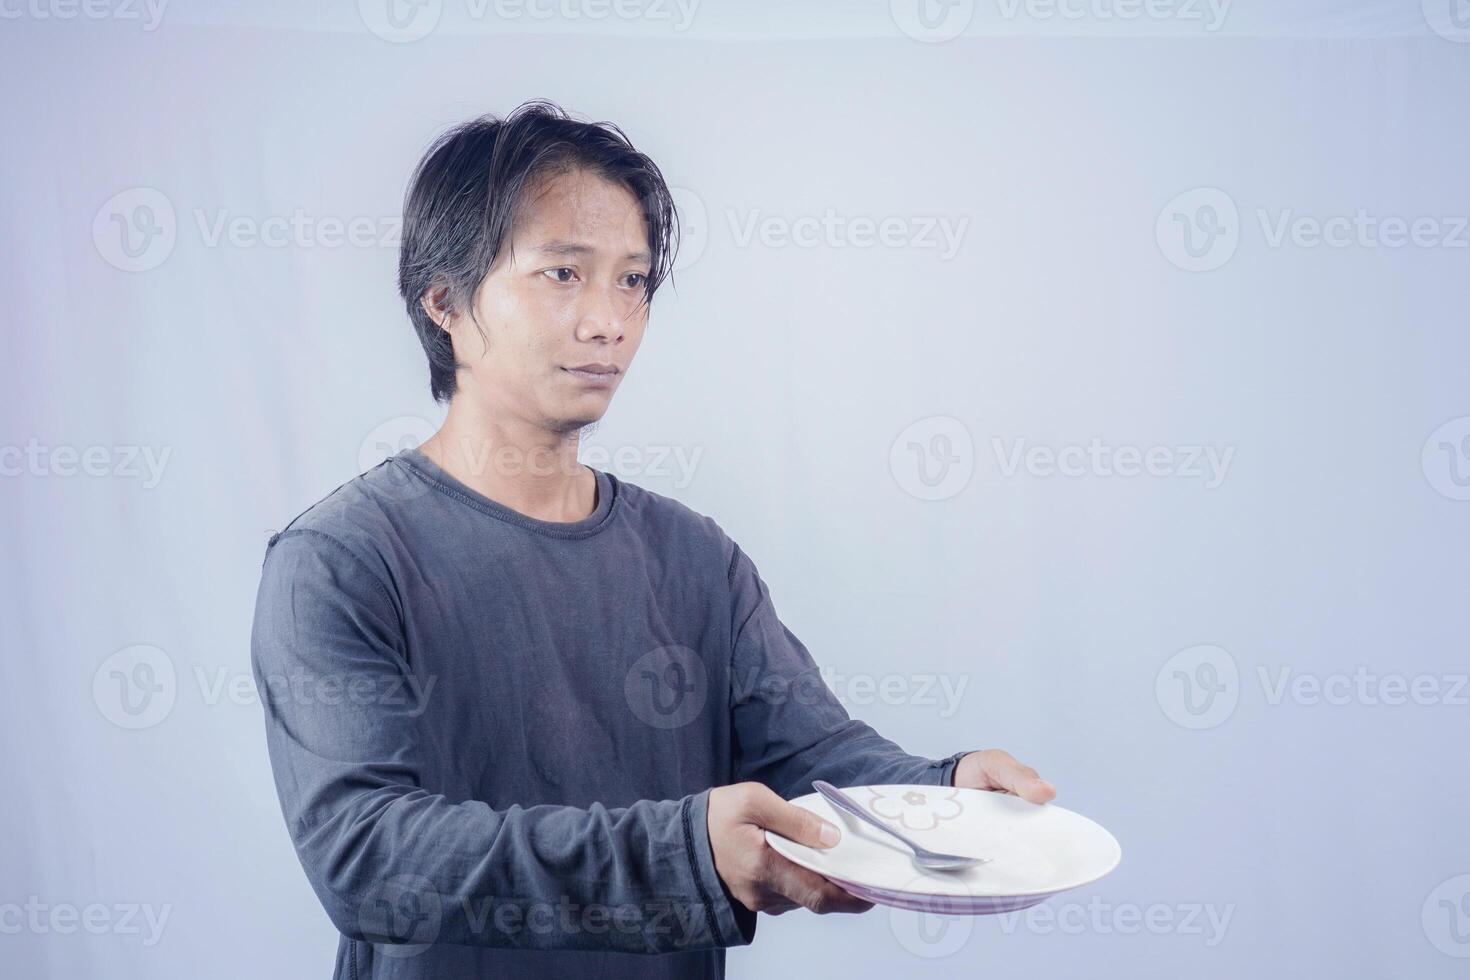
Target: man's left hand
(996,769)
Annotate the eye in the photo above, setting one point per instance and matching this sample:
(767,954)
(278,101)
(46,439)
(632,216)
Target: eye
(635,280)
(556,274)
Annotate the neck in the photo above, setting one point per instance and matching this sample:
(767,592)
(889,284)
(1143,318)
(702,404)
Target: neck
(526,467)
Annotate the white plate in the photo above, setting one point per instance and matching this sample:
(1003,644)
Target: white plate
(1037,850)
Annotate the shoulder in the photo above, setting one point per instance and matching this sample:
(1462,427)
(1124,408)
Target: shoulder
(353,527)
(670,524)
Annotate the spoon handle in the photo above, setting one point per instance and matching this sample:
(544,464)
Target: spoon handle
(846,803)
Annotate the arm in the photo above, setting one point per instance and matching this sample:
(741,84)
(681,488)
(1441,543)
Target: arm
(789,727)
(393,861)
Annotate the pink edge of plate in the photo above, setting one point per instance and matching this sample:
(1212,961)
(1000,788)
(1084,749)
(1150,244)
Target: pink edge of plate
(943,904)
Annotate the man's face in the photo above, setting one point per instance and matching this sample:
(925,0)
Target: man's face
(565,295)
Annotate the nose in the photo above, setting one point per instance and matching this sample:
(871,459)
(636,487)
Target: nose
(602,317)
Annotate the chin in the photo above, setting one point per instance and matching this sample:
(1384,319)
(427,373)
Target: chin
(572,419)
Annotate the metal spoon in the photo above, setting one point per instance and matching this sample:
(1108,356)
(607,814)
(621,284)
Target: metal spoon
(923,857)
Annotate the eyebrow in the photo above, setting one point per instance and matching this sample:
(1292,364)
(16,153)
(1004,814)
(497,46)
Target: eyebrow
(577,248)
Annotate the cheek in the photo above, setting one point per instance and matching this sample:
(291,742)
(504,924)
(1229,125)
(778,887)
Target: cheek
(527,321)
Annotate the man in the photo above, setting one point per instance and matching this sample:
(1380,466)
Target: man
(527,719)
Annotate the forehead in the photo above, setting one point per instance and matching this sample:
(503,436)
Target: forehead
(578,205)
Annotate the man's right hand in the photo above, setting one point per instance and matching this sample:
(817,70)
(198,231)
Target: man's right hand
(758,877)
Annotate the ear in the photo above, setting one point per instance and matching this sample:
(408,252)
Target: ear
(435,303)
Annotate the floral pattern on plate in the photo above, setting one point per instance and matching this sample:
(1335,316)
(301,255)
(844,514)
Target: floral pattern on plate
(914,809)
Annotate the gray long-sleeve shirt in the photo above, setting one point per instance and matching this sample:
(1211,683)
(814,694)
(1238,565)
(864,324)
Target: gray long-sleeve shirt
(494,737)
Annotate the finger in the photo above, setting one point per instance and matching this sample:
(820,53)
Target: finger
(793,822)
(1004,772)
(811,890)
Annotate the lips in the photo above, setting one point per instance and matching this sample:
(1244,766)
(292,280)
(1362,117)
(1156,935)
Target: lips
(596,374)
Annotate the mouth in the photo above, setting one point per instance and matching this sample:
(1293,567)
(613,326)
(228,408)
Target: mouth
(596,374)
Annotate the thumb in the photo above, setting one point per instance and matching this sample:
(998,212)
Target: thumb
(795,823)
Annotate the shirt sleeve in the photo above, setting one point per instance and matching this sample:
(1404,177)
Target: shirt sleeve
(395,862)
(789,727)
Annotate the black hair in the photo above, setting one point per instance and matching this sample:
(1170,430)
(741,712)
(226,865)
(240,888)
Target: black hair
(465,195)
